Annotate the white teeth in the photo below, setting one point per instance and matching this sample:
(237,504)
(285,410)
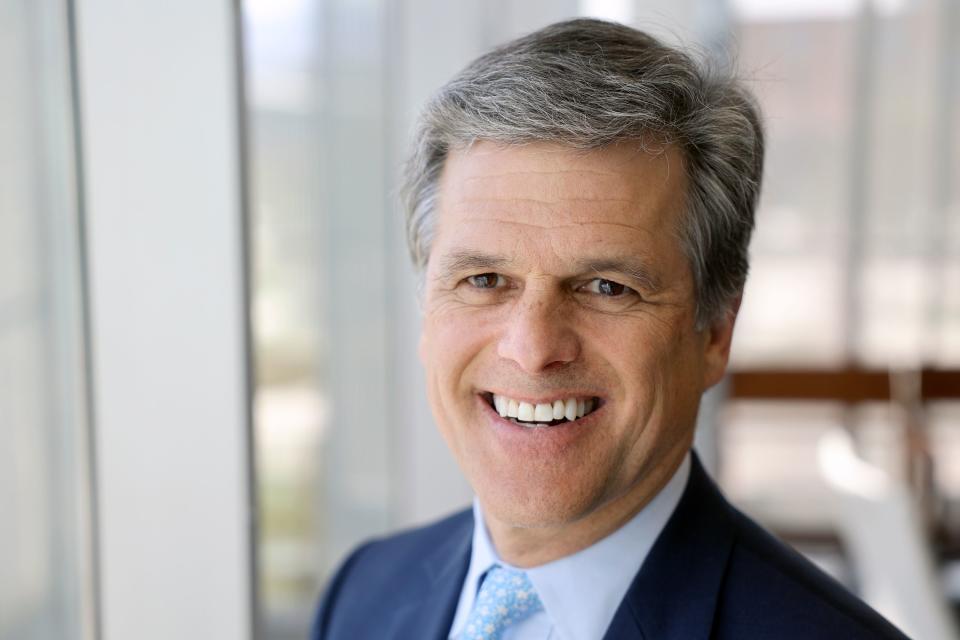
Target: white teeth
(501,405)
(558,409)
(543,413)
(525,412)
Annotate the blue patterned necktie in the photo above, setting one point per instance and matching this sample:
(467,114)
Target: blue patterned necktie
(506,597)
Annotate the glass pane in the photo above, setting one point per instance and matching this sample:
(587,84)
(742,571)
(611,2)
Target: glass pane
(291,397)
(855,254)
(793,308)
(943,419)
(45,581)
(316,113)
(768,456)
(900,282)
(326,127)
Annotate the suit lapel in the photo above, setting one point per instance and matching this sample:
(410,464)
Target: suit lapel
(429,612)
(674,595)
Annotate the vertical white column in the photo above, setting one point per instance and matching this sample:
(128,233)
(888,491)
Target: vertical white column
(164,223)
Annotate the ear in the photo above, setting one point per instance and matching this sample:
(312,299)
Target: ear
(716,348)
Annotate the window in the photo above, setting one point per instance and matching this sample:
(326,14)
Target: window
(45,544)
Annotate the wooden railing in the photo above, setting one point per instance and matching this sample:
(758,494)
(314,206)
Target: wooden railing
(850,385)
(909,389)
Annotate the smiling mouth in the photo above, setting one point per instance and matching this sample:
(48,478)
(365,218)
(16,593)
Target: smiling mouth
(540,415)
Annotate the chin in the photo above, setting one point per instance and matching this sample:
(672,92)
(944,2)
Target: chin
(536,506)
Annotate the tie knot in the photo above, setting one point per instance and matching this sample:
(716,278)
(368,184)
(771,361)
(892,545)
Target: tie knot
(506,597)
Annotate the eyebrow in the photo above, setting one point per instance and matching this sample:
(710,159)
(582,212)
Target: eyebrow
(636,271)
(461,261)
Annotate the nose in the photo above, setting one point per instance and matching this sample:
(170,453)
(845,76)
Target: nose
(538,333)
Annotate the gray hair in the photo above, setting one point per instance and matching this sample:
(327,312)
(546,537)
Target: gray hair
(587,84)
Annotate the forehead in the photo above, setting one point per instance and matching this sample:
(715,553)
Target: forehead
(621,193)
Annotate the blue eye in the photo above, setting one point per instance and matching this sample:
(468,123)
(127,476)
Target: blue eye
(486,280)
(608,288)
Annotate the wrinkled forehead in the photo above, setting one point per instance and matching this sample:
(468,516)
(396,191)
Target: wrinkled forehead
(547,184)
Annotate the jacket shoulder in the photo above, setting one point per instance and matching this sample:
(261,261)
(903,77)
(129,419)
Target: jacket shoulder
(771,591)
(383,573)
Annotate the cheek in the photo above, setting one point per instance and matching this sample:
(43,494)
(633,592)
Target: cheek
(660,373)
(449,346)
(681,377)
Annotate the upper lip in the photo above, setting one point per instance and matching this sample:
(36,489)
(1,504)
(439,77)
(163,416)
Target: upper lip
(546,399)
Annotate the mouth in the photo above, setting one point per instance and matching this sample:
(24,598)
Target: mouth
(541,415)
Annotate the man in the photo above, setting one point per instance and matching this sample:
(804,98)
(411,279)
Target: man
(579,204)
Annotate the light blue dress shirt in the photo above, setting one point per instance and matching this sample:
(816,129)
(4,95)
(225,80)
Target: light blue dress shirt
(581,592)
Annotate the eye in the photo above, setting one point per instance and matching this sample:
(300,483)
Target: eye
(486,281)
(608,288)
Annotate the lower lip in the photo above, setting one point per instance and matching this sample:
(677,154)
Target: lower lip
(559,435)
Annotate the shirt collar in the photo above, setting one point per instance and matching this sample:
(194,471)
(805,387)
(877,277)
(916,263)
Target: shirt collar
(607,567)
(482,557)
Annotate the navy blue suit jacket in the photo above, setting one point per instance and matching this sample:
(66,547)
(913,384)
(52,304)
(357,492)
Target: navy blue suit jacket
(712,573)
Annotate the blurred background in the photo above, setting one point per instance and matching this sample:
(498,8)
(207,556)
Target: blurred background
(209,390)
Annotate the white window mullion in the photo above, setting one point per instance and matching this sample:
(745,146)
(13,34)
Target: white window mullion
(164,225)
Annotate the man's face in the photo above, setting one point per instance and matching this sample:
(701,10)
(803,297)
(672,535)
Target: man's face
(558,275)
